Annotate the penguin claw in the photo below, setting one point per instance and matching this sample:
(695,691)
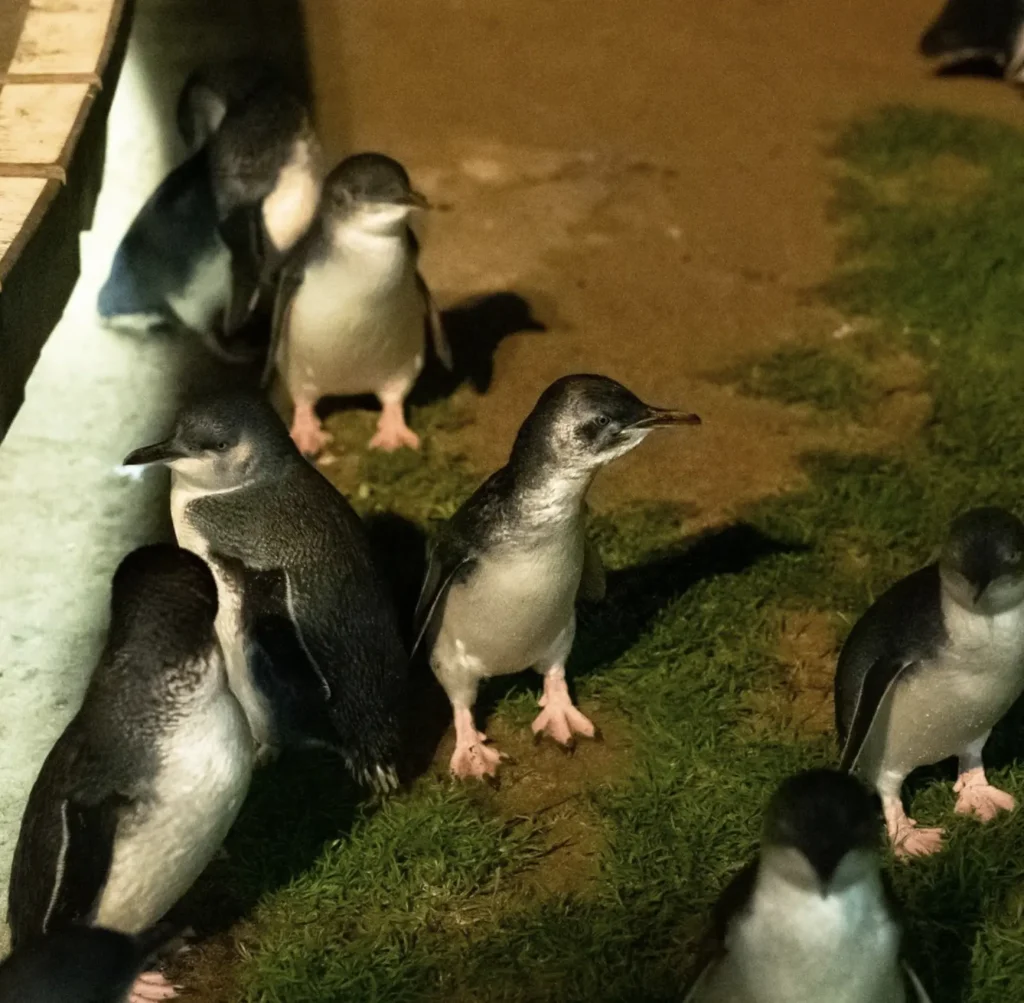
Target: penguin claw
(981,799)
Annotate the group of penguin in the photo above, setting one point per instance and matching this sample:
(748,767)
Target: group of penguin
(268,624)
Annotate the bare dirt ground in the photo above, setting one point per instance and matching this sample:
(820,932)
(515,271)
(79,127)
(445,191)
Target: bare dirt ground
(653,179)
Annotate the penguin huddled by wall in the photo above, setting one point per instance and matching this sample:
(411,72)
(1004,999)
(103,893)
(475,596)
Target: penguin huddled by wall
(212,236)
(140,790)
(307,623)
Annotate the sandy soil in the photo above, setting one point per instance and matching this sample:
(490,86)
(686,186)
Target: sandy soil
(653,179)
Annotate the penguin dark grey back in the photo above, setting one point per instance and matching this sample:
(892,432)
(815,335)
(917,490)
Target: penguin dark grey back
(314,651)
(812,918)
(79,965)
(978,29)
(140,790)
(506,570)
(932,667)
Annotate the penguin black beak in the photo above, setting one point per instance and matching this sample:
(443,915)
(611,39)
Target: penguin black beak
(159,452)
(417,200)
(658,417)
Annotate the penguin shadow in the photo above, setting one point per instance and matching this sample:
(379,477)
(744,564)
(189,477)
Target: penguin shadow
(474,328)
(295,807)
(637,594)
(399,547)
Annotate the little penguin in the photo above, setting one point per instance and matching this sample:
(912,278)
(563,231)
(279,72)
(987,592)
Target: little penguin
(979,29)
(138,793)
(353,311)
(811,919)
(215,232)
(80,964)
(505,571)
(307,623)
(932,667)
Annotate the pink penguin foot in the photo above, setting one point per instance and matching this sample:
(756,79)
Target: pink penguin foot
(475,759)
(392,432)
(561,720)
(979,798)
(910,841)
(151,987)
(307,432)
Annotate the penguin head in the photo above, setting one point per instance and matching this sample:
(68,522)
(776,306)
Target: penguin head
(982,561)
(371,192)
(159,578)
(821,831)
(582,422)
(972,29)
(77,965)
(221,442)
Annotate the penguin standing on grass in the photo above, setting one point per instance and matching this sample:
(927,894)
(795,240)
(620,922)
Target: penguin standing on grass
(311,636)
(140,790)
(812,919)
(506,570)
(931,668)
(353,311)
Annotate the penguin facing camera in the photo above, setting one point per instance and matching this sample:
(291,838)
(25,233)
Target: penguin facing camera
(138,793)
(353,311)
(80,964)
(311,637)
(967,30)
(930,669)
(506,570)
(812,918)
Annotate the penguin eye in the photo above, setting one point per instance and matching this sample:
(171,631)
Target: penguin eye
(602,420)
(221,446)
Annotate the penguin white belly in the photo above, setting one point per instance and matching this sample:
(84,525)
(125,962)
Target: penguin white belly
(204,770)
(515,607)
(797,947)
(229,626)
(356,326)
(945,704)
(200,304)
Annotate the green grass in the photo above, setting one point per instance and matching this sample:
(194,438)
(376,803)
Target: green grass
(423,899)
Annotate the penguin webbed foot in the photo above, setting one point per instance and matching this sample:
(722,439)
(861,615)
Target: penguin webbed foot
(307,432)
(560,718)
(392,431)
(979,798)
(907,839)
(476,759)
(151,987)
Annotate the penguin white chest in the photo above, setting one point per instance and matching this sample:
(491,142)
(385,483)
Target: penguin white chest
(200,303)
(290,207)
(356,322)
(229,625)
(953,700)
(516,606)
(204,768)
(797,946)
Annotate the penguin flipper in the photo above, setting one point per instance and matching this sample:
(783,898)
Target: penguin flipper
(442,347)
(593,581)
(242,232)
(65,847)
(288,283)
(878,682)
(449,559)
(920,994)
